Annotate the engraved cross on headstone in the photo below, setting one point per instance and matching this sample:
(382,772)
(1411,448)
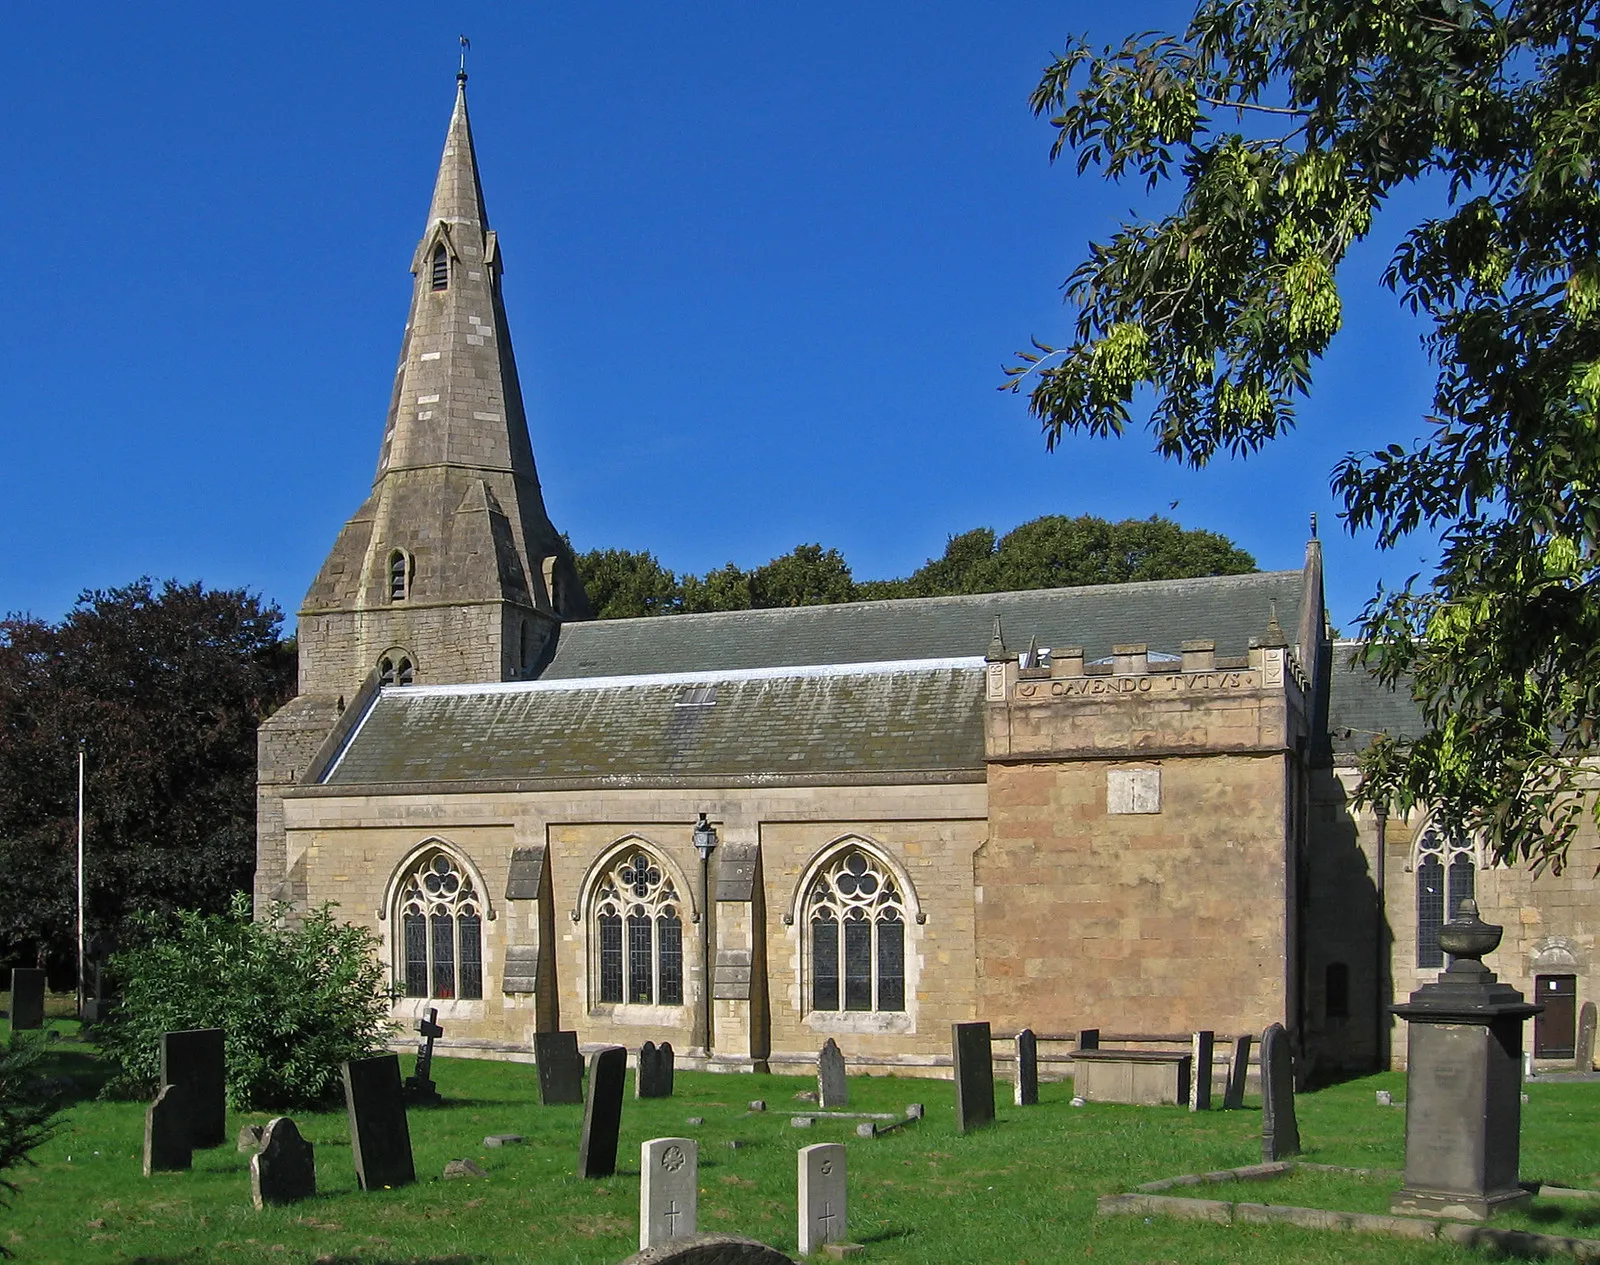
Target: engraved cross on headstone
(672,1215)
(827,1216)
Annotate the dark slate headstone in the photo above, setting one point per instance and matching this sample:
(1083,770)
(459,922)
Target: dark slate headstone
(380,1137)
(833,1090)
(560,1067)
(973,1049)
(284,1169)
(654,1077)
(419,1087)
(197,1060)
(602,1112)
(1583,1054)
(711,1249)
(1238,1074)
(168,1132)
(1089,1039)
(1204,1050)
(1280,1133)
(27,998)
(1027,1084)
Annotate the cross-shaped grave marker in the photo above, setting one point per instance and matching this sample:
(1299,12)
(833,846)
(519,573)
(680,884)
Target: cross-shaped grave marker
(420,1088)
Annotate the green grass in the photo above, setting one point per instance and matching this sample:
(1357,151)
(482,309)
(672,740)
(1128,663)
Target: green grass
(1022,1191)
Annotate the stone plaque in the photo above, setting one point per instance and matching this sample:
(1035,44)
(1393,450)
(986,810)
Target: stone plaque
(1204,1048)
(1280,1133)
(284,1169)
(822,1196)
(833,1090)
(1133,790)
(1027,1083)
(602,1112)
(196,1059)
(711,1249)
(27,999)
(654,1076)
(1238,1074)
(168,1132)
(669,1171)
(1583,1056)
(380,1136)
(560,1067)
(974,1075)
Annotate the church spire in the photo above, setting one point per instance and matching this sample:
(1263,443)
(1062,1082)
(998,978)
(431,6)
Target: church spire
(457,192)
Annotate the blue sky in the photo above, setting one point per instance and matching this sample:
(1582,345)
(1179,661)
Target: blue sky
(764,266)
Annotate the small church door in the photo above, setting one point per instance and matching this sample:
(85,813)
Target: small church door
(1555,1031)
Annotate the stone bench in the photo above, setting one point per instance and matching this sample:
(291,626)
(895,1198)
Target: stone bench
(1145,1078)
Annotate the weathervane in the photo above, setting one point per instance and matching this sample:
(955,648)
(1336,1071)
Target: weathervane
(465,45)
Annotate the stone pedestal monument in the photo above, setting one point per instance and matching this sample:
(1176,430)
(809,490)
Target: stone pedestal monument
(1463,1082)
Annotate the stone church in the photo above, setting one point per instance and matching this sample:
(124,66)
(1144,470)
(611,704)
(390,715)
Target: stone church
(1123,807)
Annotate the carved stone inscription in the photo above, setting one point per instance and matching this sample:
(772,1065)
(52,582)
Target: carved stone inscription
(1133,790)
(1165,683)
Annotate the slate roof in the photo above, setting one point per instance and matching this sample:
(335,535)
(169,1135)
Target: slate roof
(1360,707)
(1229,609)
(889,722)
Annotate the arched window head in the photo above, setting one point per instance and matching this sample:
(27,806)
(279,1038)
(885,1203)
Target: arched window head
(404,673)
(441,268)
(386,671)
(1446,875)
(400,572)
(440,930)
(637,922)
(855,918)
(396,668)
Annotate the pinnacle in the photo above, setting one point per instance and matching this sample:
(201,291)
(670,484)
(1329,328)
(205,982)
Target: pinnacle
(457,194)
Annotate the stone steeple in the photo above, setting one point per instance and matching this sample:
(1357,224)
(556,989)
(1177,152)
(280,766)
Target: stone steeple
(450,571)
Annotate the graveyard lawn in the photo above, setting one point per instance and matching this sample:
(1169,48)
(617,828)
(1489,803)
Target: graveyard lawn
(1022,1190)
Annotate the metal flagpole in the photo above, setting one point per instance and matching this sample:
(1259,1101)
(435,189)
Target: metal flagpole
(80,880)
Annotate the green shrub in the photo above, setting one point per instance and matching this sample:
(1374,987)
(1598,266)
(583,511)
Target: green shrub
(27,1104)
(295,999)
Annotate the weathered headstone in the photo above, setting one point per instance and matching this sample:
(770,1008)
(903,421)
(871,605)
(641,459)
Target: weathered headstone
(1089,1039)
(250,1138)
(1280,1132)
(654,1076)
(27,998)
(284,1169)
(822,1196)
(380,1136)
(833,1090)
(1027,1083)
(973,1052)
(602,1112)
(1583,1053)
(711,1249)
(1238,1074)
(669,1171)
(197,1060)
(1204,1049)
(560,1067)
(168,1132)
(419,1087)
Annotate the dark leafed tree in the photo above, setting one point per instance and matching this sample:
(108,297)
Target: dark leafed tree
(164,686)
(1277,133)
(808,575)
(622,584)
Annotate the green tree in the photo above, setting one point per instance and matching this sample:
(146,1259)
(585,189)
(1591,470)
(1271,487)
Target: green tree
(622,584)
(726,588)
(28,1111)
(1283,130)
(293,998)
(165,687)
(808,575)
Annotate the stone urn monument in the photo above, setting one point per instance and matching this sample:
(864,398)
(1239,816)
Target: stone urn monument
(1464,1082)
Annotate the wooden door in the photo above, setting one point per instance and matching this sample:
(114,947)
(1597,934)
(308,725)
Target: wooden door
(1555,1031)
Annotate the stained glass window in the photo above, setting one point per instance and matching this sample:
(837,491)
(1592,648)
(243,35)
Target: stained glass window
(639,933)
(857,896)
(441,931)
(1446,876)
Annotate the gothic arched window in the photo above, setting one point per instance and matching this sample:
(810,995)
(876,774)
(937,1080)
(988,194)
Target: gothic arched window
(856,920)
(400,571)
(441,268)
(1446,875)
(396,670)
(638,933)
(440,930)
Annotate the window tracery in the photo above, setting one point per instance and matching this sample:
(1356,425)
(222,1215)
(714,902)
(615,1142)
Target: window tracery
(1446,872)
(856,920)
(440,926)
(638,933)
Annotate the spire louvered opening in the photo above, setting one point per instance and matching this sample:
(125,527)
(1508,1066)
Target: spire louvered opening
(441,268)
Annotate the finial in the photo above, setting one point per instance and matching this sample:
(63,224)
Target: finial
(1275,639)
(1313,524)
(997,644)
(461,75)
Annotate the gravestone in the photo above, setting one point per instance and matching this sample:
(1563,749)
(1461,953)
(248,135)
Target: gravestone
(284,1169)
(380,1137)
(822,1196)
(1280,1133)
(1583,1053)
(1027,1084)
(711,1249)
(168,1132)
(669,1171)
(560,1067)
(602,1112)
(974,1073)
(1204,1050)
(654,1076)
(1089,1039)
(197,1060)
(1238,1074)
(833,1090)
(419,1087)
(250,1138)
(27,998)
